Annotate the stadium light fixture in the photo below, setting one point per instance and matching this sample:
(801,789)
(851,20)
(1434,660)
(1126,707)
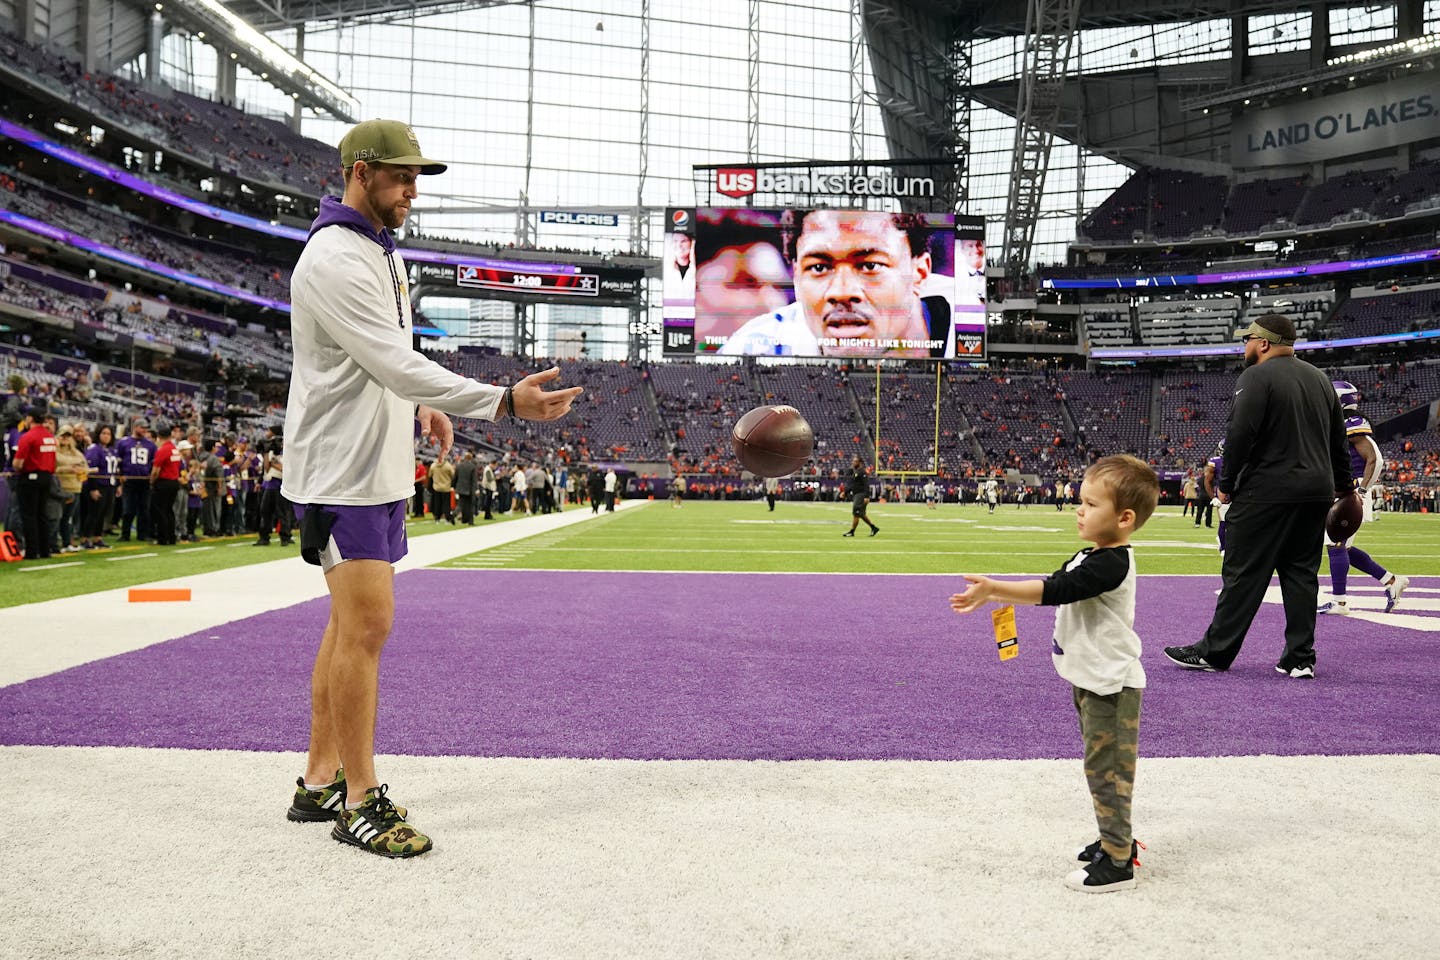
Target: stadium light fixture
(1341,69)
(263,56)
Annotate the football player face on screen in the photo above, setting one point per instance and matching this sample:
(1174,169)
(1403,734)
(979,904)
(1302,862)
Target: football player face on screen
(858,284)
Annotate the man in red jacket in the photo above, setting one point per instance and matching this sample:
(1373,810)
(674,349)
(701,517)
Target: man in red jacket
(164,488)
(34,469)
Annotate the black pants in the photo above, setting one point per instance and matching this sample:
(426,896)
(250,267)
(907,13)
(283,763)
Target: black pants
(419,501)
(440,505)
(1264,538)
(1204,510)
(135,497)
(32,489)
(162,497)
(97,513)
(487,503)
(273,508)
(467,508)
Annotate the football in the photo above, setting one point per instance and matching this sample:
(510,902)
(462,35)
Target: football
(773,441)
(1344,518)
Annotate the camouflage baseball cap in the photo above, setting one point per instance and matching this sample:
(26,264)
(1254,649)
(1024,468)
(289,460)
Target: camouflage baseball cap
(385,141)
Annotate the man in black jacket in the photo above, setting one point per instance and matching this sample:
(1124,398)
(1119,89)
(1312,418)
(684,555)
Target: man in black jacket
(1286,461)
(859,486)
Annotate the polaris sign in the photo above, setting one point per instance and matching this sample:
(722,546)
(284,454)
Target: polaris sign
(572,219)
(1349,123)
(741,182)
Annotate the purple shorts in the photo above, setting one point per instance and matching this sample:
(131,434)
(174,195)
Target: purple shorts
(363,533)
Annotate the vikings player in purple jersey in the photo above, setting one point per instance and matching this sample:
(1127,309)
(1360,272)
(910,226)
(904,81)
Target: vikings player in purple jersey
(1365,465)
(1213,466)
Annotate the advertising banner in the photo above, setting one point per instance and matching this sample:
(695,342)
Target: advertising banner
(1343,125)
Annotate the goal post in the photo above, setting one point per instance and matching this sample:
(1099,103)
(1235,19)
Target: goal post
(933,468)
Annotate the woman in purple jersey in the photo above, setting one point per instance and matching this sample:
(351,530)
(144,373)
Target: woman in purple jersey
(99,491)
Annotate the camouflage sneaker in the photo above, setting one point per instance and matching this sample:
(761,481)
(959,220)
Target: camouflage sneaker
(379,826)
(314,806)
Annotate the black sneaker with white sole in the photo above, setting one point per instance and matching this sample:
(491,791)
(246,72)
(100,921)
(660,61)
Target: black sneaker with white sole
(1092,852)
(1189,658)
(1101,876)
(1296,673)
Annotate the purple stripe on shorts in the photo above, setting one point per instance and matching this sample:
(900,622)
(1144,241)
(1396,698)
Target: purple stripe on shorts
(363,533)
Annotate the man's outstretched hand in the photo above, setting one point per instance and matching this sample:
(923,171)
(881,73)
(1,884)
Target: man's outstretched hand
(534,402)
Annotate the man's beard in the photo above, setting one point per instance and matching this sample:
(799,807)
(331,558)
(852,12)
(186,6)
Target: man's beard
(1251,359)
(392,216)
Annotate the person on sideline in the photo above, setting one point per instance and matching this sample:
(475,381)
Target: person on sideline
(859,485)
(356,389)
(1097,650)
(1286,460)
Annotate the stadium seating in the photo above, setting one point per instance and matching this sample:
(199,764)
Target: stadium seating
(1259,203)
(1193,410)
(1306,310)
(1375,312)
(1110,409)
(1185,322)
(824,395)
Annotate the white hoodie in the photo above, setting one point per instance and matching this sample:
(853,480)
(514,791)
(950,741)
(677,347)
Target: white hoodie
(350,422)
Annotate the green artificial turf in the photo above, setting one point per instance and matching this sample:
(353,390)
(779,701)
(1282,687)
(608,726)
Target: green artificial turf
(129,564)
(745,537)
(806,537)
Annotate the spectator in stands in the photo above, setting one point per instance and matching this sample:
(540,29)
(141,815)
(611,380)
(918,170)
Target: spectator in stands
(137,454)
(1286,460)
(273,508)
(520,491)
(70,471)
(100,485)
(442,485)
(354,390)
(467,484)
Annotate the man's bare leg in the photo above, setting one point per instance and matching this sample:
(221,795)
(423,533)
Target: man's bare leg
(362,605)
(323,757)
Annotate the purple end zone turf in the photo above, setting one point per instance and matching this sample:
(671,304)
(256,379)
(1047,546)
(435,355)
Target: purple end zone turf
(681,666)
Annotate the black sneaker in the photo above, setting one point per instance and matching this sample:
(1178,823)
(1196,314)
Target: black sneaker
(315,806)
(1296,673)
(1092,852)
(874,530)
(1188,658)
(848,533)
(377,825)
(1101,876)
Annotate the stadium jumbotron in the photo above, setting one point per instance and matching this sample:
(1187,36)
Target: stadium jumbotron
(607,693)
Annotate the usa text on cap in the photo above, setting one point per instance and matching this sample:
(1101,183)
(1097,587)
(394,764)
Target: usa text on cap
(385,141)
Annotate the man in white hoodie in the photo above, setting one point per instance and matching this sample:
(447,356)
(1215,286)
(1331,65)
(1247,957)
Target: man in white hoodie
(356,389)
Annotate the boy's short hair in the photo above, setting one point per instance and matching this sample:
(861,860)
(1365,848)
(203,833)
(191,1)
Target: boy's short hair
(1131,482)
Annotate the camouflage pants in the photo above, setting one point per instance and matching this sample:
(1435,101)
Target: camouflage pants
(1110,727)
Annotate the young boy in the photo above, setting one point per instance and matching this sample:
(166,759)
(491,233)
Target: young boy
(1097,650)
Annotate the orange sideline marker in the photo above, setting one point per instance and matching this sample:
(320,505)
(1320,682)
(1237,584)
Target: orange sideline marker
(143,595)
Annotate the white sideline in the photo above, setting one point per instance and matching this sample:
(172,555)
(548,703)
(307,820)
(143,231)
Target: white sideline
(53,635)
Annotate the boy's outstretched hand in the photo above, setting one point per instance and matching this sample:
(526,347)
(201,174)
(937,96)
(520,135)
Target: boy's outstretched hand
(980,590)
